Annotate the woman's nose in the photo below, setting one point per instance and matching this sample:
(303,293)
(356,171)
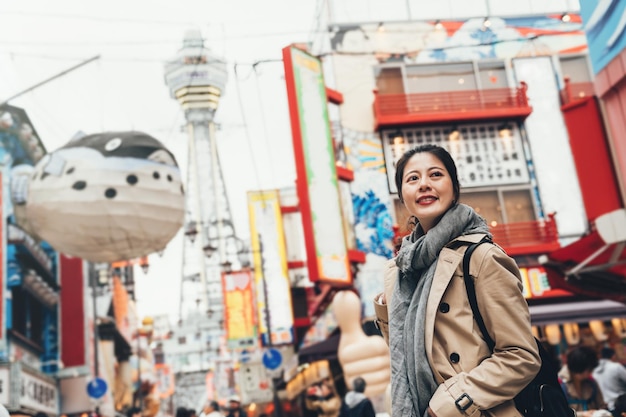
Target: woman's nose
(424,184)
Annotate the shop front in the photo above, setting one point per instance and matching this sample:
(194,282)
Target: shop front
(28,391)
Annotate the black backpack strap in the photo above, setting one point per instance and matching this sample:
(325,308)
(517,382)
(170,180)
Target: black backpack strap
(471,291)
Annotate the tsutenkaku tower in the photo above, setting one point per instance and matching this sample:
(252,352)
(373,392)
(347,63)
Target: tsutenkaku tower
(196,78)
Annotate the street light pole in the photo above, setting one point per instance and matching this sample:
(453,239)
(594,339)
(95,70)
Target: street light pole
(95,329)
(278,409)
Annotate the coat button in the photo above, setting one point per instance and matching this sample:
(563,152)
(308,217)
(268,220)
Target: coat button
(444,307)
(454,357)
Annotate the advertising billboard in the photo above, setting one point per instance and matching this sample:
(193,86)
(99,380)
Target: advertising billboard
(271,275)
(605,27)
(317,183)
(239,317)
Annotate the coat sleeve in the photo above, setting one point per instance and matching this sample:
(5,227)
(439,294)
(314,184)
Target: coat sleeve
(381,310)
(515,360)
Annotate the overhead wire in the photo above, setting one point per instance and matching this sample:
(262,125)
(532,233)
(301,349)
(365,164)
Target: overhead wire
(264,124)
(246,129)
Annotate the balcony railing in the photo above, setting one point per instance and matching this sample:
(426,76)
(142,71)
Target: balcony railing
(519,238)
(572,92)
(527,238)
(406,109)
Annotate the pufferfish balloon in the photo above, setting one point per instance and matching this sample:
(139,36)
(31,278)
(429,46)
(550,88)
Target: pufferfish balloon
(104,197)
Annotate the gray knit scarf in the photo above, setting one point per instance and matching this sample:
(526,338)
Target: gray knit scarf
(412,380)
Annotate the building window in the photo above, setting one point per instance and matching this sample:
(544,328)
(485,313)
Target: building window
(440,78)
(486,154)
(27,315)
(389,80)
(576,68)
(502,205)
(492,74)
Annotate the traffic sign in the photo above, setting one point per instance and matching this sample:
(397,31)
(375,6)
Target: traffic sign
(272,358)
(96,388)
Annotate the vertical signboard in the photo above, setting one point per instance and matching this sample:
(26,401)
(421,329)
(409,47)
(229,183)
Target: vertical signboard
(72,312)
(3,262)
(271,276)
(317,184)
(604,26)
(238,309)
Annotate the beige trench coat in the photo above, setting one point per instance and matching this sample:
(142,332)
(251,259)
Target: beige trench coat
(472,380)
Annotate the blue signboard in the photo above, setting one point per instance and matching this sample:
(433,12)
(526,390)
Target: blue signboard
(272,359)
(96,388)
(605,28)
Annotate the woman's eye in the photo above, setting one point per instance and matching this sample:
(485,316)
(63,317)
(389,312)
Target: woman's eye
(437,174)
(412,178)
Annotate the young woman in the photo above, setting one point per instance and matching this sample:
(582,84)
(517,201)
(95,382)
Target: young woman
(440,364)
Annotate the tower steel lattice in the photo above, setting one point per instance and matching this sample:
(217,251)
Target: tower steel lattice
(196,78)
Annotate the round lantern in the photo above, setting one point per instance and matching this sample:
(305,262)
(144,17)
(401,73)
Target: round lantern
(104,198)
(535,331)
(572,333)
(597,328)
(553,334)
(619,327)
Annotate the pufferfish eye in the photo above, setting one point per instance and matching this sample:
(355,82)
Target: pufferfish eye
(162,157)
(113,144)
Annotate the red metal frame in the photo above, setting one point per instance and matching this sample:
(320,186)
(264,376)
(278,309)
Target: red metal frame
(572,92)
(289,209)
(334,96)
(526,238)
(521,238)
(345,174)
(412,109)
(298,150)
(592,156)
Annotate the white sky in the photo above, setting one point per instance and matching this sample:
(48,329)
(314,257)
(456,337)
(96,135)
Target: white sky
(125,88)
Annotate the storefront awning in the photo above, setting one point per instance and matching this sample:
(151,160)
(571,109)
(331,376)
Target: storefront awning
(576,312)
(595,264)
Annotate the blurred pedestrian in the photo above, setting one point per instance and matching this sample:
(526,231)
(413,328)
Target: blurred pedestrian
(355,403)
(322,399)
(182,412)
(620,406)
(211,409)
(234,407)
(133,412)
(611,376)
(582,391)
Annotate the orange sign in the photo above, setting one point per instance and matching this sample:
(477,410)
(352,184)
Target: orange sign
(239,309)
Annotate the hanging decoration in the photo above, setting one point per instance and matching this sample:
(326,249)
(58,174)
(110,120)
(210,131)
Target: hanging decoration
(572,333)
(535,331)
(553,334)
(597,328)
(619,327)
(104,197)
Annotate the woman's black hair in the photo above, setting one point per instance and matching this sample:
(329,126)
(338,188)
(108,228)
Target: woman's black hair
(441,154)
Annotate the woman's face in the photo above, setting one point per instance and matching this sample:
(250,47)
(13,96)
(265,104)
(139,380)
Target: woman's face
(427,189)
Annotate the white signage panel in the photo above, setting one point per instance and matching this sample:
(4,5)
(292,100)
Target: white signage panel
(4,385)
(38,394)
